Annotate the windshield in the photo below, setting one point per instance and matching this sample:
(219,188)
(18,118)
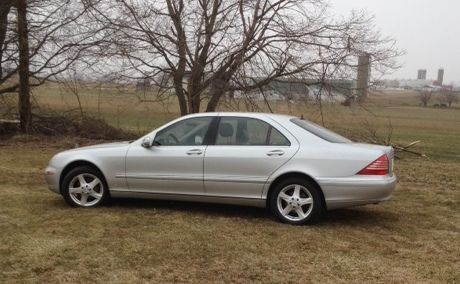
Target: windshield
(319,131)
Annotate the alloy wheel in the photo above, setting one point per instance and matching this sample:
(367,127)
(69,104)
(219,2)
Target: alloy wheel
(86,189)
(295,202)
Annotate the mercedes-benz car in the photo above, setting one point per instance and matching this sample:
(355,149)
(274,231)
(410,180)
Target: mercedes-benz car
(294,167)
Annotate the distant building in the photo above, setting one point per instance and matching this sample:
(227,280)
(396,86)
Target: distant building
(421,74)
(387,84)
(440,79)
(143,85)
(332,90)
(414,84)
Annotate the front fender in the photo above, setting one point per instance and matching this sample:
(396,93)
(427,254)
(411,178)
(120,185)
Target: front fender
(111,163)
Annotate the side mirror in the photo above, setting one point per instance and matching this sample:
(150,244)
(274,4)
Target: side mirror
(147,142)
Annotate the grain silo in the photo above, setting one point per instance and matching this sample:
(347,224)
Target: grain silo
(362,82)
(421,75)
(440,77)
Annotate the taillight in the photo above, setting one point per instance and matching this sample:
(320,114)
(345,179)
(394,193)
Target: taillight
(378,167)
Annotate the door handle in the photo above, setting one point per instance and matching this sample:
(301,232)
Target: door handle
(275,153)
(194,152)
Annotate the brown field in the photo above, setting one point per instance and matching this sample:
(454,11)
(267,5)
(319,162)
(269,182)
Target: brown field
(412,238)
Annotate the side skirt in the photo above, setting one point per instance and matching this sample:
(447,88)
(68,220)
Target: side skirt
(256,202)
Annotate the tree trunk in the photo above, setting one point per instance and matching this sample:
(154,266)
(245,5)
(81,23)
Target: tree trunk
(4,11)
(216,94)
(193,91)
(182,102)
(218,89)
(212,104)
(25,113)
(180,94)
(194,103)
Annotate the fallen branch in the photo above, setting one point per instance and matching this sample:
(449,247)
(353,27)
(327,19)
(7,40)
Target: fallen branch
(371,135)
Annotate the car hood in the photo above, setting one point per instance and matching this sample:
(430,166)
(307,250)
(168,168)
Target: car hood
(105,145)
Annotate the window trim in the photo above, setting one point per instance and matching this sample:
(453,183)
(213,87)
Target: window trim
(216,129)
(211,134)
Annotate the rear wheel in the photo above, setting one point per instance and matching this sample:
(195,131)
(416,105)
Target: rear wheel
(84,187)
(296,201)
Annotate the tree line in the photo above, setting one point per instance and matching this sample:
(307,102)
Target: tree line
(216,46)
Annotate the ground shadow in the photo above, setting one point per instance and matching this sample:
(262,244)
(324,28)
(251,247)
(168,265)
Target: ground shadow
(360,216)
(356,216)
(223,210)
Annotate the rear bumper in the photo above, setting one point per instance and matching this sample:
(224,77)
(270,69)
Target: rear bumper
(353,191)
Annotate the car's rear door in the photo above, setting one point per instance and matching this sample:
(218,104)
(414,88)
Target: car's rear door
(245,152)
(174,164)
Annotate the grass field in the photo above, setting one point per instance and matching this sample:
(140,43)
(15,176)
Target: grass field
(438,129)
(412,238)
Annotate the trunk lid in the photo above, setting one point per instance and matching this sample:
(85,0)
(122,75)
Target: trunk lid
(388,150)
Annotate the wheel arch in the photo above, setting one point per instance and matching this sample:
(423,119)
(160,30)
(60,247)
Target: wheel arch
(292,175)
(78,163)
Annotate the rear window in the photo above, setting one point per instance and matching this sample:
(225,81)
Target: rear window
(319,131)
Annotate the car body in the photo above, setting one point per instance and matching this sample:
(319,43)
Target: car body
(235,158)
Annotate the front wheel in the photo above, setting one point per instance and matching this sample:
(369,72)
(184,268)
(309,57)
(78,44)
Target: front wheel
(84,187)
(296,201)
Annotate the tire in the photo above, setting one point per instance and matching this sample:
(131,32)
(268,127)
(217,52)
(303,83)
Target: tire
(85,186)
(299,198)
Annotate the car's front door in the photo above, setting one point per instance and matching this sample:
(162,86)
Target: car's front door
(174,164)
(245,153)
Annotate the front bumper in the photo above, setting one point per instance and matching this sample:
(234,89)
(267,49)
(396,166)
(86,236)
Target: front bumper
(354,191)
(52,179)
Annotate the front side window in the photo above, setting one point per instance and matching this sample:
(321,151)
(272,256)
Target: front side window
(248,131)
(187,132)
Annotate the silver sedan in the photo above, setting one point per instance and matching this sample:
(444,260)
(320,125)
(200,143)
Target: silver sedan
(295,168)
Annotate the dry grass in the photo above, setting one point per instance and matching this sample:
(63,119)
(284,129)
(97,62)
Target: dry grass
(412,238)
(438,129)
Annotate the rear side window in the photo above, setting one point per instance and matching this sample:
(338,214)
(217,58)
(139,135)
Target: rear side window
(319,131)
(277,139)
(248,131)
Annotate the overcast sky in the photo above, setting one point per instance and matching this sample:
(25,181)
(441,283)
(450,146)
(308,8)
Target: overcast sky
(428,30)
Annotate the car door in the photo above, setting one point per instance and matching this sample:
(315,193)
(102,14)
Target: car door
(245,153)
(174,164)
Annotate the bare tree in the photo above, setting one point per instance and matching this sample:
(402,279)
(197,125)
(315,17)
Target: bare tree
(41,40)
(22,63)
(70,83)
(449,97)
(210,48)
(424,95)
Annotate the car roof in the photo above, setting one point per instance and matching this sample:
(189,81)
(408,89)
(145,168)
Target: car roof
(242,114)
